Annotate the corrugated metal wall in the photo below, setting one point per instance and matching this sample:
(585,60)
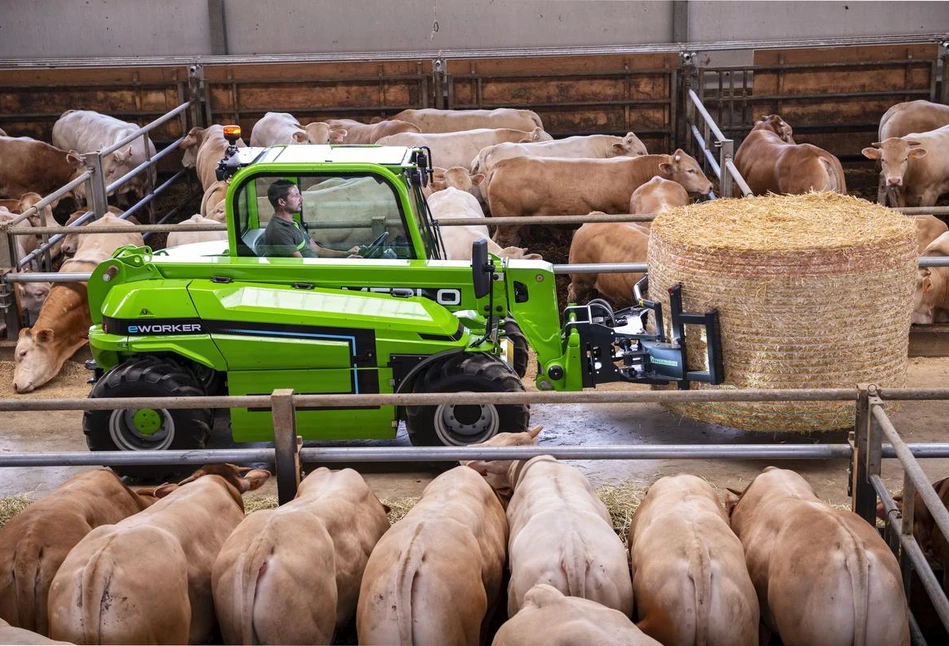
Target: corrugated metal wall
(107,28)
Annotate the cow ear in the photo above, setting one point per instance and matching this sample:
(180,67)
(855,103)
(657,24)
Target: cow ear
(338,135)
(73,157)
(300,137)
(666,168)
(619,149)
(163,490)
(121,156)
(731,499)
(534,432)
(44,335)
(25,332)
(477,179)
(916,153)
(927,284)
(871,153)
(376,120)
(253,479)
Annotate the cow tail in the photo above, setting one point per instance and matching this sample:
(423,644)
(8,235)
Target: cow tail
(835,180)
(26,572)
(575,564)
(410,562)
(96,578)
(858,567)
(700,571)
(536,119)
(252,567)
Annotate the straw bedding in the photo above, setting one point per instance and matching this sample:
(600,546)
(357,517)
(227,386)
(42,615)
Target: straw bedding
(812,290)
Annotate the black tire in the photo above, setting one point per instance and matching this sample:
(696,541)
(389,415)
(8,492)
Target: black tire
(448,425)
(521,348)
(181,429)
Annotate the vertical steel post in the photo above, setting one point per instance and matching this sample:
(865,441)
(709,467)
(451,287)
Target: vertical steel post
(11,313)
(95,185)
(906,530)
(724,155)
(864,497)
(286,447)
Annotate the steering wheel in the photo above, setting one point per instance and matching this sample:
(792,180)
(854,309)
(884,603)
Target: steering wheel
(374,248)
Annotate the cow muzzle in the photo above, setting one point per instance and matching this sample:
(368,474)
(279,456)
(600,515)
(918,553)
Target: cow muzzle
(894,181)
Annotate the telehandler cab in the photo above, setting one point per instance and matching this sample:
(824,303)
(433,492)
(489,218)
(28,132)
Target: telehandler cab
(206,320)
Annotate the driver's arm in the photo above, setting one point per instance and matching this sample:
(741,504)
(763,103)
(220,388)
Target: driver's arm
(325,252)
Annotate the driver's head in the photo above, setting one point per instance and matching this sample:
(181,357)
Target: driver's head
(284,195)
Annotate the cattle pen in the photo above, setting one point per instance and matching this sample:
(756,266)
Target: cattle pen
(834,90)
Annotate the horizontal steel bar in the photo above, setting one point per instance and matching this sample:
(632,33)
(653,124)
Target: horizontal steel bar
(47,277)
(605,268)
(697,102)
(564,104)
(320,80)
(448,454)
(912,468)
(912,549)
(785,67)
(132,458)
(923,210)
(430,399)
(146,128)
(831,95)
(912,394)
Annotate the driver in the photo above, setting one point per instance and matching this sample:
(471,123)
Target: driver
(283,236)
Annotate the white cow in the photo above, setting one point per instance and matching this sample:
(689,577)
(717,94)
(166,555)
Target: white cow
(460,148)
(580,146)
(87,131)
(451,200)
(178,238)
(282,128)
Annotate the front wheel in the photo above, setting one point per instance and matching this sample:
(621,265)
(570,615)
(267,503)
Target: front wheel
(521,350)
(144,429)
(460,425)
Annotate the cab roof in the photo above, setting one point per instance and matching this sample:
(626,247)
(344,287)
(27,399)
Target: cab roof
(340,154)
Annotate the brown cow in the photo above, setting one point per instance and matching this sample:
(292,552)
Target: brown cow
(213,202)
(147,579)
(434,577)
(771,162)
(178,238)
(369,133)
(304,559)
(931,298)
(550,617)
(917,164)
(539,186)
(928,228)
(607,242)
(61,328)
(28,165)
(101,245)
(204,148)
(912,116)
(36,541)
(823,575)
(690,581)
(927,533)
(434,120)
(560,532)
(657,195)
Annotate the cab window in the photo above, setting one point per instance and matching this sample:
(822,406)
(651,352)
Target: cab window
(338,212)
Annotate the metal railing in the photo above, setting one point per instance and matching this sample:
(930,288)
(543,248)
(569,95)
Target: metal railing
(723,167)
(865,451)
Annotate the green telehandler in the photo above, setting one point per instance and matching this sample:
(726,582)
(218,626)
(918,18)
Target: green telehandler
(210,318)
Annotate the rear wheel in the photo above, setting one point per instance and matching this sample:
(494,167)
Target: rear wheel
(144,429)
(459,425)
(521,353)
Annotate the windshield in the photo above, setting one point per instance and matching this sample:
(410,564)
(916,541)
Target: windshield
(336,215)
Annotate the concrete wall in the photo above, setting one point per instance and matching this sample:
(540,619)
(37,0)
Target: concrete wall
(104,28)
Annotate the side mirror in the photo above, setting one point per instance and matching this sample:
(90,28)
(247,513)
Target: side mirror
(480,272)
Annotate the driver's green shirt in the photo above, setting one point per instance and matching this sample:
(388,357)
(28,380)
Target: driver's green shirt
(282,238)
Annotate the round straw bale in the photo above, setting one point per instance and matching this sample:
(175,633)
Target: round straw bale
(813,291)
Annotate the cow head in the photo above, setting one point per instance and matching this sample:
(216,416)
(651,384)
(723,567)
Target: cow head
(538,134)
(455,177)
(239,480)
(36,359)
(519,253)
(190,145)
(117,164)
(79,167)
(683,168)
(32,296)
(894,155)
(777,125)
(630,146)
(500,474)
(28,200)
(923,298)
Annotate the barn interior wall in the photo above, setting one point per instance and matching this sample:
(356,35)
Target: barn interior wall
(104,28)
